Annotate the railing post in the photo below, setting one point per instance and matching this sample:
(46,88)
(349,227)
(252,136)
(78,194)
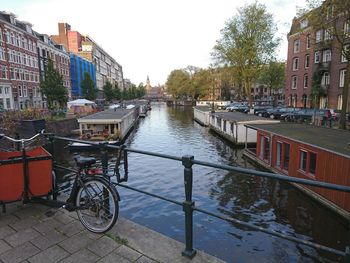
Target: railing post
(188,206)
(104,159)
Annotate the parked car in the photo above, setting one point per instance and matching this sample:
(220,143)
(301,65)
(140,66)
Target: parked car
(306,115)
(240,108)
(277,112)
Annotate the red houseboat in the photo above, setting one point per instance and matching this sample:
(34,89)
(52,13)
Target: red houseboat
(308,152)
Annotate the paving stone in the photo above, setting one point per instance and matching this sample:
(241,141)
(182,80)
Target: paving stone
(47,225)
(4,246)
(103,246)
(6,231)
(7,219)
(82,256)
(127,253)
(76,242)
(51,255)
(145,259)
(48,239)
(71,228)
(113,258)
(19,254)
(29,211)
(63,218)
(24,223)
(21,237)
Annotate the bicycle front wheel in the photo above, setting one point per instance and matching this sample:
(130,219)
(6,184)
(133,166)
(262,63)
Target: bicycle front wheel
(97,205)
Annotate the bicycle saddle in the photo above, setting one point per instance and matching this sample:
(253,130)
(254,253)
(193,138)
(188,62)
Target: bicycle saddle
(84,161)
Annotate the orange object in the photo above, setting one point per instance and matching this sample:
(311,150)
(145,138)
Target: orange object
(12,174)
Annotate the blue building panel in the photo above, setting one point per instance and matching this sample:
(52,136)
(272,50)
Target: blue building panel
(78,66)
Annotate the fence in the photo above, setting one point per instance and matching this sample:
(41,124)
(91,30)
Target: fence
(188,205)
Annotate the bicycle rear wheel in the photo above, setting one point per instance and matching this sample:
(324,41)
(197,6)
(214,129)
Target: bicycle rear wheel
(97,205)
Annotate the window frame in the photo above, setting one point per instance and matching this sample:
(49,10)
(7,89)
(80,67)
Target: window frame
(308,162)
(307,61)
(295,65)
(281,165)
(342,75)
(294,87)
(317,55)
(296,46)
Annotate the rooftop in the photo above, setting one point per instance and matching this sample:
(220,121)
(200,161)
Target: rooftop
(241,117)
(329,139)
(110,114)
(202,108)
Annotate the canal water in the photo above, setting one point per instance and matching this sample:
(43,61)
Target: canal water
(267,203)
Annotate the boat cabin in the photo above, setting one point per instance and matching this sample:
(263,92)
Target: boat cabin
(308,152)
(201,114)
(109,124)
(230,125)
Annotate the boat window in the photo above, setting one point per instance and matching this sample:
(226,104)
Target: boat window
(303,157)
(278,154)
(266,148)
(286,150)
(312,163)
(224,126)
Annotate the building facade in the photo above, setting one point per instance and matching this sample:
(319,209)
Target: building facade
(78,66)
(48,50)
(19,67)
(314,55)
(107,69)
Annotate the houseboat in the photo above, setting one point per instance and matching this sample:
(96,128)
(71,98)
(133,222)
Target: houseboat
(218,104)
(112,126)
(201,114)
(307,152)
(230,125)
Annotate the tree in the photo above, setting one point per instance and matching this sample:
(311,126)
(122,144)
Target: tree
(333,17)
(178,83)
(247,43)
(108,91)
(88,87)
(116,92)
(140,90)
(273,76)
(52,87)
(201,83)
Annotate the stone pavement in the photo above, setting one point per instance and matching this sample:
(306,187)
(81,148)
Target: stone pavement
(38,234)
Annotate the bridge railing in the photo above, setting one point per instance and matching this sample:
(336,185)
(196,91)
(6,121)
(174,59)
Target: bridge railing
(188,205)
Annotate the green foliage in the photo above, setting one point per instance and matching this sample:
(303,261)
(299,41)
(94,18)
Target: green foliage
(88,87)
(247,42)
(116,92)
(52,87)
(317,91)
(108,91)
(273,75)
(179,83)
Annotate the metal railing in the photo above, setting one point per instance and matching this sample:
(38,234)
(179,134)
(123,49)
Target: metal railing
(188,205)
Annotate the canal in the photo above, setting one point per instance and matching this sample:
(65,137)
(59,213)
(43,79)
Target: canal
(263,202)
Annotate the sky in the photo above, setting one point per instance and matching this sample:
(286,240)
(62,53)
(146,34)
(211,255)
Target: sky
(149,37)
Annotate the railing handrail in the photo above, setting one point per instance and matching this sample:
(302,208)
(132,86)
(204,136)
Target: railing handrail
(189,206)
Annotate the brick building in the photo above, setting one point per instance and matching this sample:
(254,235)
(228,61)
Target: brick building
(314,54)
(47,49)
(106,66)
(19,69)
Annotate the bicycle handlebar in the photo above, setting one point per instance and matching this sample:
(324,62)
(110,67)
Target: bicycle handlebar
(21,140)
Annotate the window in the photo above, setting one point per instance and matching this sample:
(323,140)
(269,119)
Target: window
(327,55)
(328,34)
(20,91)
(7,90)
(307,61)
(8,103)
(296,45)
(2,53)
(317,56)
(325,79)
(282,155)
(340,102)
(224,126)
(306,81)
(303,23)
(264,148)
(307,162)
(0,34)
(347,28)
(295,64)
(318,36)
(294,82)
(3,73)
(345,51)
(342,78)
(25,91)
(308,42)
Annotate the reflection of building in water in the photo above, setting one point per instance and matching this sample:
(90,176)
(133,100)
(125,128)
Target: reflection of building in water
(156,92)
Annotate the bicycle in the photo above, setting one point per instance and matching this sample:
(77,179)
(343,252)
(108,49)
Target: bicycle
(93,197)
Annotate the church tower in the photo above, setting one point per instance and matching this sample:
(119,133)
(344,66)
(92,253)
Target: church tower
(148,84)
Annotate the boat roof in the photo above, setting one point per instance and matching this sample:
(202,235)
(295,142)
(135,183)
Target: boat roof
(203,108)
(333,140)
(110,114)
(243,117)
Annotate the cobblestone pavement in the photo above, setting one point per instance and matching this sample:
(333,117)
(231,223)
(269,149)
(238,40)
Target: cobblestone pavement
(38,234)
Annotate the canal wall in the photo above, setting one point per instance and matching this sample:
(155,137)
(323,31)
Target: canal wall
(62,127)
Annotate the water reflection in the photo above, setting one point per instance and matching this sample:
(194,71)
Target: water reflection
(260,201)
